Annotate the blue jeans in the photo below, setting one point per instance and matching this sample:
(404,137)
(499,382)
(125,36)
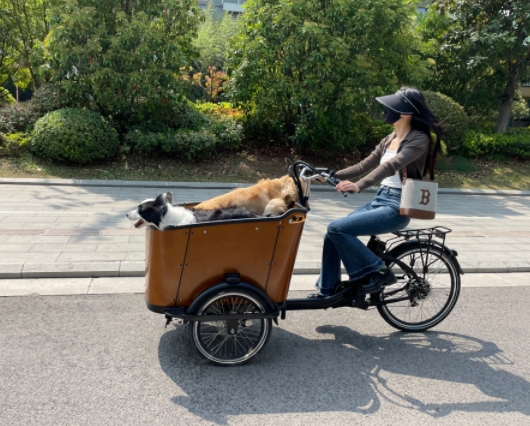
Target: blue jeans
(379,216)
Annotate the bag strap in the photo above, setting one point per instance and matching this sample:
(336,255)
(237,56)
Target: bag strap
(404,181)
(431,169)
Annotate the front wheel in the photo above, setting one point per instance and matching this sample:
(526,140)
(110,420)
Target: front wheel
(231,342)
(431,295)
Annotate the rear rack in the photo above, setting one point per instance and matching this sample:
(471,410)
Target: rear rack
(424,234)
(437,231)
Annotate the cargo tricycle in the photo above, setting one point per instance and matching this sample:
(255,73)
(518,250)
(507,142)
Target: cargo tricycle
(229,280)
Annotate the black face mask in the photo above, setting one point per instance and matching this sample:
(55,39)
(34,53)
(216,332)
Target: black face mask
(391,116)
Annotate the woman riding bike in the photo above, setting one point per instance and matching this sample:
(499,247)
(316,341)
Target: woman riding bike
(410,145)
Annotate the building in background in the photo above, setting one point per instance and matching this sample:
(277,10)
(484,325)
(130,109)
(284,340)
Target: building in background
(236,6)
(525,90)
(231,6)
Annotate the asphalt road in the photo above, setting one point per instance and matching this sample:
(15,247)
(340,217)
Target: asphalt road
(105,359)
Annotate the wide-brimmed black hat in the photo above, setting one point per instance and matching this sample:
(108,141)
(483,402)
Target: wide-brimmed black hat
(398,102)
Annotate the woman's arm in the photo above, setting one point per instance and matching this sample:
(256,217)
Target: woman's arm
(411,151)
(366,165)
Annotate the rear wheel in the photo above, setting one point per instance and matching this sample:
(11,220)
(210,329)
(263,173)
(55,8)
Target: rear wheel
(431,294)
(232,342)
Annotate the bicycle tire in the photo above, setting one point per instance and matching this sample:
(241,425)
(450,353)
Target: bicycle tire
(217,343)
(437,290)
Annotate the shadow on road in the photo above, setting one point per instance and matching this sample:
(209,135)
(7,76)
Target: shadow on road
(343,370)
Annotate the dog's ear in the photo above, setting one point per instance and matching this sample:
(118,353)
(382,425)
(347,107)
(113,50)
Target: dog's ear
(290,192)
(161,199)
(169,197)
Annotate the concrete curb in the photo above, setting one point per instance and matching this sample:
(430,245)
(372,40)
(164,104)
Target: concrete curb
(135,269)
(218,185)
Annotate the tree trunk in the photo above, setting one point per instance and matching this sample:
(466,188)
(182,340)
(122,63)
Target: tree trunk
(507,98)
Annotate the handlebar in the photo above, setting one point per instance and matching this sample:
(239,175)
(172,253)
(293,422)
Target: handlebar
(310,173)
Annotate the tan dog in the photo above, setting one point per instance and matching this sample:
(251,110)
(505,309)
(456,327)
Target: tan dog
(268,196)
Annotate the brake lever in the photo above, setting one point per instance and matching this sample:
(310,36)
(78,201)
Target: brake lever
(334,181)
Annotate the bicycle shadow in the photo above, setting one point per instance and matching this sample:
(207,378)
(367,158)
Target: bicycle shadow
(294,374)
(442,356)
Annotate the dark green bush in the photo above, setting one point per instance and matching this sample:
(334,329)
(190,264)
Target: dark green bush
(17,118)
(189,144)
(225,122)
(14,144)
(155,118)
(454,120)
(197,132)
(179,144)
(515,143)
(48,98)
(74,135)
(22,116)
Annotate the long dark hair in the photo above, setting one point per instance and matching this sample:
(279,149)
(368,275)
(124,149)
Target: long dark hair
(425,121)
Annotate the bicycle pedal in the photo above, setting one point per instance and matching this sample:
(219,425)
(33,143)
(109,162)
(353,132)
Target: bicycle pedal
(360,301)
(363,304)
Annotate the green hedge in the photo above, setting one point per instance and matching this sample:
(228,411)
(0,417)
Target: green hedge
(74,135)
(514,143)
(179,144)
(204,130)
(455,122)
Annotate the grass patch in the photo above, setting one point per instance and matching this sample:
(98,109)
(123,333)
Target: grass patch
(513,175)
(250,166)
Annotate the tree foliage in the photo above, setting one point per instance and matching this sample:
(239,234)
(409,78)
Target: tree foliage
(213,40)
(313,68)
(453,119)
(23,30)
(492,34)
(454,70)
(124,56)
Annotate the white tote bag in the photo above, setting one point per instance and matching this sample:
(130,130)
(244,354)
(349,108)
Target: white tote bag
(418,198)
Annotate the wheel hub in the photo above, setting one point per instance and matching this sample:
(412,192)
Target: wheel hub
(419,290)
(231,327)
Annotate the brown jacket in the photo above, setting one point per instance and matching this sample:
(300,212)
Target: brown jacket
(412,153)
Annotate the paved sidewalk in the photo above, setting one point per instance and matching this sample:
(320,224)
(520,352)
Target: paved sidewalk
(136,285)
(60,229)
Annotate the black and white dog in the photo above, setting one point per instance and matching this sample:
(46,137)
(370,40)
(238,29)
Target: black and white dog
(162,214)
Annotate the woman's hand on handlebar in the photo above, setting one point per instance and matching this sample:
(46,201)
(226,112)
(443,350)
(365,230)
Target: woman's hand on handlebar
(347,186)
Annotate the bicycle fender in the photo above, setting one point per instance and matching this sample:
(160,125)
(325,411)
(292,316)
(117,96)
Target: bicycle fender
(449,252)
(226,286)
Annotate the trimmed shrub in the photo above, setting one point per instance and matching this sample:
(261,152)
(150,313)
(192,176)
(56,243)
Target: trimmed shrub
(197,132)
(179,144)
(155,118)
(454,120)
(189,144)
(6,98)
(48,98)
(14,144)
(22,116)
(226,122)
(514,143)
(17,118)
(74,135)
